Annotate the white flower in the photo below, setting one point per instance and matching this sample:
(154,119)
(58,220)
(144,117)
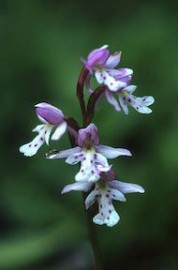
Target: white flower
(51,117)
(104,193)
(126,98)
(91,155)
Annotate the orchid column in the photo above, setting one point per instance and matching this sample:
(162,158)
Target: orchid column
(96,176)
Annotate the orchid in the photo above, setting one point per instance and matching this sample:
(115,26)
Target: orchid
(102,65)
(91,155)
(125,98)
(51,117)
(96,176)
(104,192)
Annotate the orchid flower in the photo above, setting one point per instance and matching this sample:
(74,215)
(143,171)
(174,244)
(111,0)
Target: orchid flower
(125,98)
(92,156)
(102,65)
(104,192)
(51,117)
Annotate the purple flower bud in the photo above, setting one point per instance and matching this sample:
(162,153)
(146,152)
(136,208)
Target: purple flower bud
(88,136)
(97,57)
(48,113)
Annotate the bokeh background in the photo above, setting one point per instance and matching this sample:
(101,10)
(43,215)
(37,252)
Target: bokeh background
(40,48)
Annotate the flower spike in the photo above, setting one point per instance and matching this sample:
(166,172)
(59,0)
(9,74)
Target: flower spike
(96,176)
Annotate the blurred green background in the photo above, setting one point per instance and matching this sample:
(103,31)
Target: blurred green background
(40,48)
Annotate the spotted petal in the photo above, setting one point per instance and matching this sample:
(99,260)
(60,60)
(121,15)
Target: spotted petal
(110,220)
(31,148)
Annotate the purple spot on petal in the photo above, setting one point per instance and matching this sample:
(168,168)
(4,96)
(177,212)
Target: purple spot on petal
(30,145)
(36,145)
(129,100)
(110,211)
(42,139)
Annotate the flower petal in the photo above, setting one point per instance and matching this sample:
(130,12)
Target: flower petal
(31,148)
(60,130)
(126,187)
(130,88)
(91,198)
(120,73)
(111,152)
(110,221)
(88,136)
(103,77)
(48,130)
(49,113)
(112,100)
(115,194)
(75,158)
(97,56)
(123,103)
(81,186)
(113,60)
(147,100)
(65,153)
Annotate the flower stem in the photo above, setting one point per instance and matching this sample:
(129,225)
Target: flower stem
(87,114)
(80,84)
(93,238)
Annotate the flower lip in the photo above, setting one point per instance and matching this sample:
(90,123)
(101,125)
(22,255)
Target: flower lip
(49,113)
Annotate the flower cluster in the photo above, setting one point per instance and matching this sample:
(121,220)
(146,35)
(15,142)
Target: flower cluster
(96,176)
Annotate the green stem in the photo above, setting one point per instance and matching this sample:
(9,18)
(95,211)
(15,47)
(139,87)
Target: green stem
(93,238)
